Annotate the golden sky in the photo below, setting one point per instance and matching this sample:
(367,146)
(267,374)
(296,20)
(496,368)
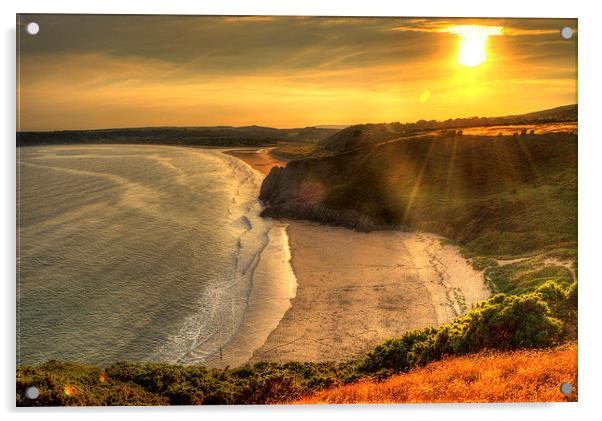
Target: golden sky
(91,71)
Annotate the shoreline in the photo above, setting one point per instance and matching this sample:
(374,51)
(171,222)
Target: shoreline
(272,284)
(356,289)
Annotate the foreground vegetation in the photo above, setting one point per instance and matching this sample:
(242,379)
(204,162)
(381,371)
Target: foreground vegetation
(543,318)
(517,376)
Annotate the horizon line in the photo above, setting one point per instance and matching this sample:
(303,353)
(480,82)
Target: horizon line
(318,126)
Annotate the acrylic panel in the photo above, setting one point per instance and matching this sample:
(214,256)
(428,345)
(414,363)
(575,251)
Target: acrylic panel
(295,210)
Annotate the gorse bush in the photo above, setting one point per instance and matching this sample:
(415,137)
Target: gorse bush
(539,319)
(258,383)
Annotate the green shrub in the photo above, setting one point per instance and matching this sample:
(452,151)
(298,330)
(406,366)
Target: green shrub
(572,296)
(531,320)
(63,384)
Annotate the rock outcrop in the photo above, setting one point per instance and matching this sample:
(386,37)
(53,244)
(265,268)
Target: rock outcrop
(288,192)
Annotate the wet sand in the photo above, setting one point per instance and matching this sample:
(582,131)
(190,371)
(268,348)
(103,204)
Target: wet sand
(274,286)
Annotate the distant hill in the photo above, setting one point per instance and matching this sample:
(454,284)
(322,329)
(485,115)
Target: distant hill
(496,195)
(333,126)
(360,135)
(214,136)
(563,113)
(366,134)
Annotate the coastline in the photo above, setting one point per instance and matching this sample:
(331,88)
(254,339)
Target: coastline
(356,289)
(272,288)
(271,282)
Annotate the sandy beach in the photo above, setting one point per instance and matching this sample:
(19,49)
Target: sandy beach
(260,159)
(357,289)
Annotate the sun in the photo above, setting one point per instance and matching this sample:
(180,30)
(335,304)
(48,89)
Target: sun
(473,42)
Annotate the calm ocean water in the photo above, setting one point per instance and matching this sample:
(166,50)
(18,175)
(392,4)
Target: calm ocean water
(138,253)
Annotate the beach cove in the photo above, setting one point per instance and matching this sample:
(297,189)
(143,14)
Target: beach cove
(356,289)
(213,282)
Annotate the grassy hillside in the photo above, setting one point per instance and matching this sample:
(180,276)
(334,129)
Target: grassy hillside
(501,195)
(543,318)
(360,135)
(519,376)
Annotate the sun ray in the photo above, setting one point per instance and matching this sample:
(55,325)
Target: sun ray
(527,155)
(416,186)
(450,169)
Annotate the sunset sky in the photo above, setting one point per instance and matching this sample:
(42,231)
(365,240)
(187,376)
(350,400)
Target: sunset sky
(90,71)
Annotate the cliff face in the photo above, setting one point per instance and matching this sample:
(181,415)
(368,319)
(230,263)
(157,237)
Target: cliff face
(288,192)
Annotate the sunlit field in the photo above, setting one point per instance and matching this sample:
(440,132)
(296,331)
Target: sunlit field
(543,128)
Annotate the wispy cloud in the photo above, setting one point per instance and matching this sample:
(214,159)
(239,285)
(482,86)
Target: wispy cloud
(514,27)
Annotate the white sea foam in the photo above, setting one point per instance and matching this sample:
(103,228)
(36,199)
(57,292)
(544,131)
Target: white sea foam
(206,335)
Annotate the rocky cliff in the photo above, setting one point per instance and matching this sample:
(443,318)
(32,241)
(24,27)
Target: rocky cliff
(288,192)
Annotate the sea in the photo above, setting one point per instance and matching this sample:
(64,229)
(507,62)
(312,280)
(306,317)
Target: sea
(145,253)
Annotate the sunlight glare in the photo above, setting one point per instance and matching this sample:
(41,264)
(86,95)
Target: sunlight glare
(473,42)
